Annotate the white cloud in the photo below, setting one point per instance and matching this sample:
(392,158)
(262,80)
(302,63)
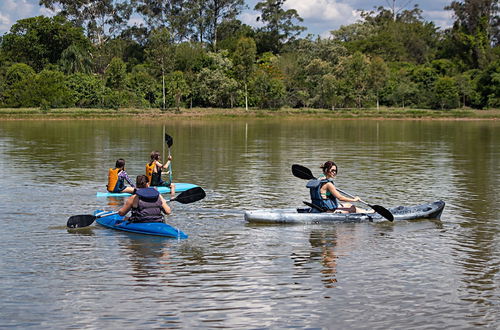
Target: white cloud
(322,10)
(443,19)
(20,8)
(5,23)
(250,18)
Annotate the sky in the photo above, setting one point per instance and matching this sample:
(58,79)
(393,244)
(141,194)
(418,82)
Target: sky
(320,16)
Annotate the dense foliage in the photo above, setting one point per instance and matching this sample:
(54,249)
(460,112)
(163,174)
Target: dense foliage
(197,53)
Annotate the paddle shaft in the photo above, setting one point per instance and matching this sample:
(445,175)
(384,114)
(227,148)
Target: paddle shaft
(351,196)
(163,150)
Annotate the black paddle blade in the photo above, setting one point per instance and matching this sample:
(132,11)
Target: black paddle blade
(383,212)
(79,221)
(302,172)
(169,140)
(190,196)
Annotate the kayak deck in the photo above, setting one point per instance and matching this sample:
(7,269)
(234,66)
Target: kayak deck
(423,211)
(179,187)
(115,221)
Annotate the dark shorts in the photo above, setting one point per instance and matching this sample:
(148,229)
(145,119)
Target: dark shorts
(120,186)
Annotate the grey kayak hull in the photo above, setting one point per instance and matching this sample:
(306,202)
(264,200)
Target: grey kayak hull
(423,211)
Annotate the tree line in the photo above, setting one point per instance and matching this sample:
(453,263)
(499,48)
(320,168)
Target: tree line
(197,53)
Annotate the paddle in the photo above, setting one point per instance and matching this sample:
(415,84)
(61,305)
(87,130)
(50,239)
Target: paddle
(189,196)
(169,141)
(302,172)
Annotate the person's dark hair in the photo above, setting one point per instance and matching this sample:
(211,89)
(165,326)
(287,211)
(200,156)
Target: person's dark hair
(141,181)
(327,166)
(120,163)
(155,155)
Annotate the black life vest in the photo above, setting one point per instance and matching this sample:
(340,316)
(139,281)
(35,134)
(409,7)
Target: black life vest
(149,207)
(314,186)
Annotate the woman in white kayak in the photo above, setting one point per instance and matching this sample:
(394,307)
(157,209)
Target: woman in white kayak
(325,195)
(147,205)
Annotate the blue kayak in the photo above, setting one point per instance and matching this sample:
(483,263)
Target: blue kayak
(113,220)
(179,187)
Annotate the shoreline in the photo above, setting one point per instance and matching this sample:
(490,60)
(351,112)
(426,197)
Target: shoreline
(238,113)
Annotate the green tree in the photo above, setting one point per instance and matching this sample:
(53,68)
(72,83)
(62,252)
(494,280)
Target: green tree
(378,75)
(267,88)
(143,84)
(39,41)
(75,59)
(474,32)
(17,72)
(214,86)
(159,51)
(115,74)
(218,11)
(244,62)
(316,84)
(177,87)
(488,86)
(466,87)
(87,90)
(47,89)
(445,93)
(279,25)
(407,37)
(99,18)
(354,79)
(230,32)
(175,15)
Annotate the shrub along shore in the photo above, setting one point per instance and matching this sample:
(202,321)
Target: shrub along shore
(382,113)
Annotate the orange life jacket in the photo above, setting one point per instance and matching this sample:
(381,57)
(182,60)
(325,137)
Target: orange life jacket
(149,170)
(112,178)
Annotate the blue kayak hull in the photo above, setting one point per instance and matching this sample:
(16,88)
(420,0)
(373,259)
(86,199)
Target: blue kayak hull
(179,187)
(115,221)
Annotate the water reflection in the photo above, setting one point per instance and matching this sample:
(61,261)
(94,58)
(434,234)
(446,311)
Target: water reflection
(148,256)
(325,246)
(85,231)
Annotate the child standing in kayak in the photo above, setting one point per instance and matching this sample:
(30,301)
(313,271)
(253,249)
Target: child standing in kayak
(147,205)
(325,195)
(117,177)
(154,170)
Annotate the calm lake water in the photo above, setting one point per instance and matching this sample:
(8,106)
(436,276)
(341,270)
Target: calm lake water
(230,274)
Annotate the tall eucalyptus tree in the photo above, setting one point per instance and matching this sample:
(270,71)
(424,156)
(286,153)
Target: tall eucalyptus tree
(208,15)
(279,24)
(176,15)
(100,18)
(476,30)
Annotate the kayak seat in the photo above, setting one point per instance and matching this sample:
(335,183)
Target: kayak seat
(311,205)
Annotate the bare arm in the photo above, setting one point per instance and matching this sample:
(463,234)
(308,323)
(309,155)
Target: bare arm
(165,206)
(331,188)
(127,206)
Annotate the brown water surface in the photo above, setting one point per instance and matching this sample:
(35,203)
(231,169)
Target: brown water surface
(409,274)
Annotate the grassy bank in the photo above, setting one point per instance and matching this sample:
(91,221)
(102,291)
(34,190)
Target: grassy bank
(383,113)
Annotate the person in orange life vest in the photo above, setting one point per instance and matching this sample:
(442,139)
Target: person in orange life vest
(147,205)
(154,169)
(117,177)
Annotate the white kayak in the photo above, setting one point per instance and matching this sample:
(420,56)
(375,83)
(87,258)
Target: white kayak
(304,215)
